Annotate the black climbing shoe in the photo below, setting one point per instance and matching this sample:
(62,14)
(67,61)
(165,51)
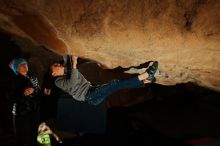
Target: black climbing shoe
(151,70)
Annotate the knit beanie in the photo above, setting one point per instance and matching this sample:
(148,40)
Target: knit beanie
(15,63)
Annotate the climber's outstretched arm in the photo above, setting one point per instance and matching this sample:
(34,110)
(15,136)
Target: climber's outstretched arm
(74,59)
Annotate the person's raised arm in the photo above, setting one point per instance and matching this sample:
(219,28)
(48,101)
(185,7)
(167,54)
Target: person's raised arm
(74,59)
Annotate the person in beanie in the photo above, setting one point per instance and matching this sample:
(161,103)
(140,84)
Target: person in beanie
(73,82)
(24,94)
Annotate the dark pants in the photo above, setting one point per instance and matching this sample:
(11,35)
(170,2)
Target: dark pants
(26,127)
(98,94)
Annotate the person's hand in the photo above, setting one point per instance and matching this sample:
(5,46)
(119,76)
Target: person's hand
(28,91)
(47,91)
(75,58)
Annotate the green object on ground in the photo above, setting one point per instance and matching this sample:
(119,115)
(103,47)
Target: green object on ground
(44,140)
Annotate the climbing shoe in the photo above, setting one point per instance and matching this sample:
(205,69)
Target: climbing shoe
(151,70)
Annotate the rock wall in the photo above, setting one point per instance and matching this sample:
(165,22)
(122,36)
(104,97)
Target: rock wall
(183,35)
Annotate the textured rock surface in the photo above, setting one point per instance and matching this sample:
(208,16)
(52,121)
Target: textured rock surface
(182,34)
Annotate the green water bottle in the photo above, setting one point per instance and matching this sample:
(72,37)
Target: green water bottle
(44,140)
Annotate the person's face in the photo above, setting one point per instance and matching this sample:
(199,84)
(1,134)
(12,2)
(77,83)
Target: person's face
(22,68)
(57,70)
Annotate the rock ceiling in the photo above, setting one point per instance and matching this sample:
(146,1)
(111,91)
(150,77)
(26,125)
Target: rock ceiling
(183,35)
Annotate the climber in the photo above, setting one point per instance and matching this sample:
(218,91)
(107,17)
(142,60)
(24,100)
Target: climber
(70,80)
